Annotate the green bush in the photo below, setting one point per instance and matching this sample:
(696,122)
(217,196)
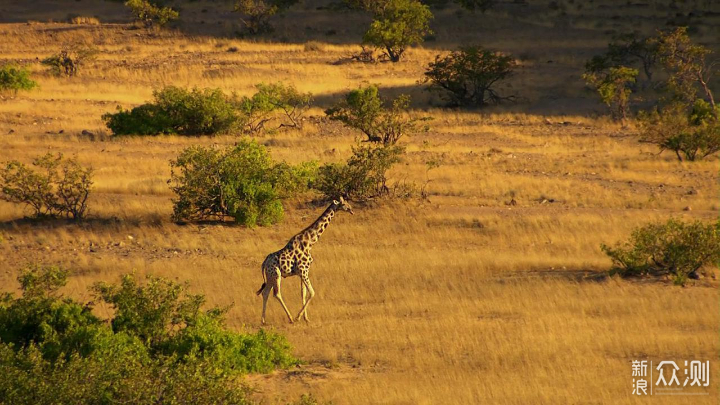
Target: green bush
(168,320)
(150,13)
(55,326)
(53,350)
(397,25)
(364,110)
(674,248)
(362,177)
(466,77)
(178,111)
(14,78)
(60,187)
(241,182)
(692,134)
(614,87)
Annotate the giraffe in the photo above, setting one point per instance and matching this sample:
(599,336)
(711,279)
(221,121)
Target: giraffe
(295,259)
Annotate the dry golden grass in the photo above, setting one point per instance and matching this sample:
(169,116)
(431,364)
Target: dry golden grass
(459,299)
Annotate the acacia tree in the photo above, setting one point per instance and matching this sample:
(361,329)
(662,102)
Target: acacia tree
(467,76)
(626,50)
(687,64)
(613,85)
(150,13)
(364,110)
(397,25)
(258,12)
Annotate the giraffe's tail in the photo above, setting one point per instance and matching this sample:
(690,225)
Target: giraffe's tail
(261,289)
(264,279)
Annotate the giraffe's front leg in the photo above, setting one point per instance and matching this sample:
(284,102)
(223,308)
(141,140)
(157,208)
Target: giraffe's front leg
(303,291)
(310,293)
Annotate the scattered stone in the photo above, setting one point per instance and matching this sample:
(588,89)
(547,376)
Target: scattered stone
(130,237)
(87,133)
(688,208)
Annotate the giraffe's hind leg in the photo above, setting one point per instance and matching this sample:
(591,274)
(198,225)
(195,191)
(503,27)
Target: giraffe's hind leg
(265,294)
(275,283)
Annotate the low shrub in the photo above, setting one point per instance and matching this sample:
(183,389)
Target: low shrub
(81,20)
(169,322)
(14,78)
(178,111)
(59,186)
(692,134)
(68,61)
(209,111)
(240,182)
(53,350)
(672,248)
(362,177)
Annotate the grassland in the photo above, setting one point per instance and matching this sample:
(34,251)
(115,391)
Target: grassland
(462,298)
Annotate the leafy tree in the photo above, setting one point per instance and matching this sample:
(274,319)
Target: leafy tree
(258,12)
(241,182)
(397,25)
(467,76)
(626,50)
(613,86)
(692,134)
(150,13)
(14,78)
(674,248)
(288,99)
(687,65)
(60,187)
(364,110)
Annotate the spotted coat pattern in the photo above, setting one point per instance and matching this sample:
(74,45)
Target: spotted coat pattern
(295,260)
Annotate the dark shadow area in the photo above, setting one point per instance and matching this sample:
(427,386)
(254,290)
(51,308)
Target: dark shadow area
(423,99)
(511,25)
(569,274)
(91,223)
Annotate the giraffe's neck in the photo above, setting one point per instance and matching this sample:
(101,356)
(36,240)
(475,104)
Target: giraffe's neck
(312,233)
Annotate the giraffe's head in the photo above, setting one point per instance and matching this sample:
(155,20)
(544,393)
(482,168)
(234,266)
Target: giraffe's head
(343,205)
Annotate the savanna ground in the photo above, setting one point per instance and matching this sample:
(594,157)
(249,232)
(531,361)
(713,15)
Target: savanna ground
(461,298)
